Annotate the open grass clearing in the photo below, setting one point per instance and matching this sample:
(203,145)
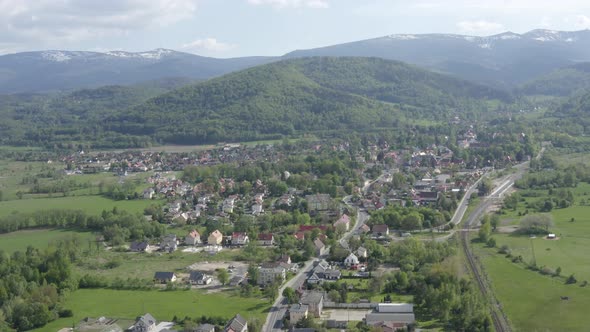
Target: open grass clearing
(144,266)
(568,252)
(90,204)
(532,301)
(163,305)
(39,238)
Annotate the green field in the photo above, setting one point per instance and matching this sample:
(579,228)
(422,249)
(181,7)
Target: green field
(163,305)
(143,265)
(90,204)
(568,251)
(38,238)
(532,301)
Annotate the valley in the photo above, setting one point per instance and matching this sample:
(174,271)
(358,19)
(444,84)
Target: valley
(283,192)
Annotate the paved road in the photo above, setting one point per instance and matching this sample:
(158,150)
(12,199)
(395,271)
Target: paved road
(279,308)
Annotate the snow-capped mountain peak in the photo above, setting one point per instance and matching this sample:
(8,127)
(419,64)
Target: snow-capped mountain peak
(156,54)
(57,56)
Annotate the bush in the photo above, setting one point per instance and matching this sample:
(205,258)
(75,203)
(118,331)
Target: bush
(504,250)
(63,313)
(491,242)
(571,280)
(547,271)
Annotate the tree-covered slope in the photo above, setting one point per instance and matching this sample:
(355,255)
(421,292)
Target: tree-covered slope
(302,95)
(561,82)
(292,97)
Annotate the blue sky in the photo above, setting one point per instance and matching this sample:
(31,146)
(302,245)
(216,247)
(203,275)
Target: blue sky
(230,28)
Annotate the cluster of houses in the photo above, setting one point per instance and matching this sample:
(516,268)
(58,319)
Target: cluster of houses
(147,323)
(171,242)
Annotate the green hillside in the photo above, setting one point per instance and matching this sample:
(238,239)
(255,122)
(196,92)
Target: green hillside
(303,95)
(562,82)
(288,98)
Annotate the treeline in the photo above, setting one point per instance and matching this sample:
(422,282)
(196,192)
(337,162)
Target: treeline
(438,293)
(410,218)
(32,283)
(314,174)
(116,226)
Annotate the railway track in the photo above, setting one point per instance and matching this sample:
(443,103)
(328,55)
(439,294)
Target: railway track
(500,324)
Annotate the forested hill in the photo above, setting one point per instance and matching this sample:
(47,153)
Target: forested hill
(302,95)
(561,82)
(324,96)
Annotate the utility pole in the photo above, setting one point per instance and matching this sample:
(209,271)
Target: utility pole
(533,251)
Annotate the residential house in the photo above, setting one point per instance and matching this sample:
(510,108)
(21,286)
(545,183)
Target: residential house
(239,239)
(228,205)
(164,277)
(270,272)
(193,238)
(426,197)
(284,259)
(204,328)
(343,222)
(257,209)
(199,278)
(259,198)
(315,302)
(215,238)
(139,246)
(320,248)
(266,239)
(236,324)
(393,315)
(323,272)
(145,323)
(351,260)
(362,252)
(169,243)
(380,230)
(149,193)
(300,236)
(297,312)
(364,229)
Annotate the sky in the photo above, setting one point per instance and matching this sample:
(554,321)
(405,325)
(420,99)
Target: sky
(233,28)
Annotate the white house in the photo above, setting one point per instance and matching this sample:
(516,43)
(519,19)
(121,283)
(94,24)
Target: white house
(351,260)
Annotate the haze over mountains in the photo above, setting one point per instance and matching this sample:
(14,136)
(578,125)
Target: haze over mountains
(505,60)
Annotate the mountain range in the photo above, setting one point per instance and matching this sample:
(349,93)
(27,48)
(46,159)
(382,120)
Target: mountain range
(505,60)
(319,95)
(50,71)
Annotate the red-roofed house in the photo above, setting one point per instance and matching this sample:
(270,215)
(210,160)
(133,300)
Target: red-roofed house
(266,239)
(344,222)
(193,238)
(239,239)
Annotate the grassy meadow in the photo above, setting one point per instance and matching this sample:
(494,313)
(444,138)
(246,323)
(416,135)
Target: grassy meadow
(144,265)
(532,301)
(163,305)
(90,204)
(38,238)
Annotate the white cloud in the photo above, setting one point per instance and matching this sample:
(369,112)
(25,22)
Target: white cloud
(207,44)
(582,22)
(292,3)
(480,27)
(54,22)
